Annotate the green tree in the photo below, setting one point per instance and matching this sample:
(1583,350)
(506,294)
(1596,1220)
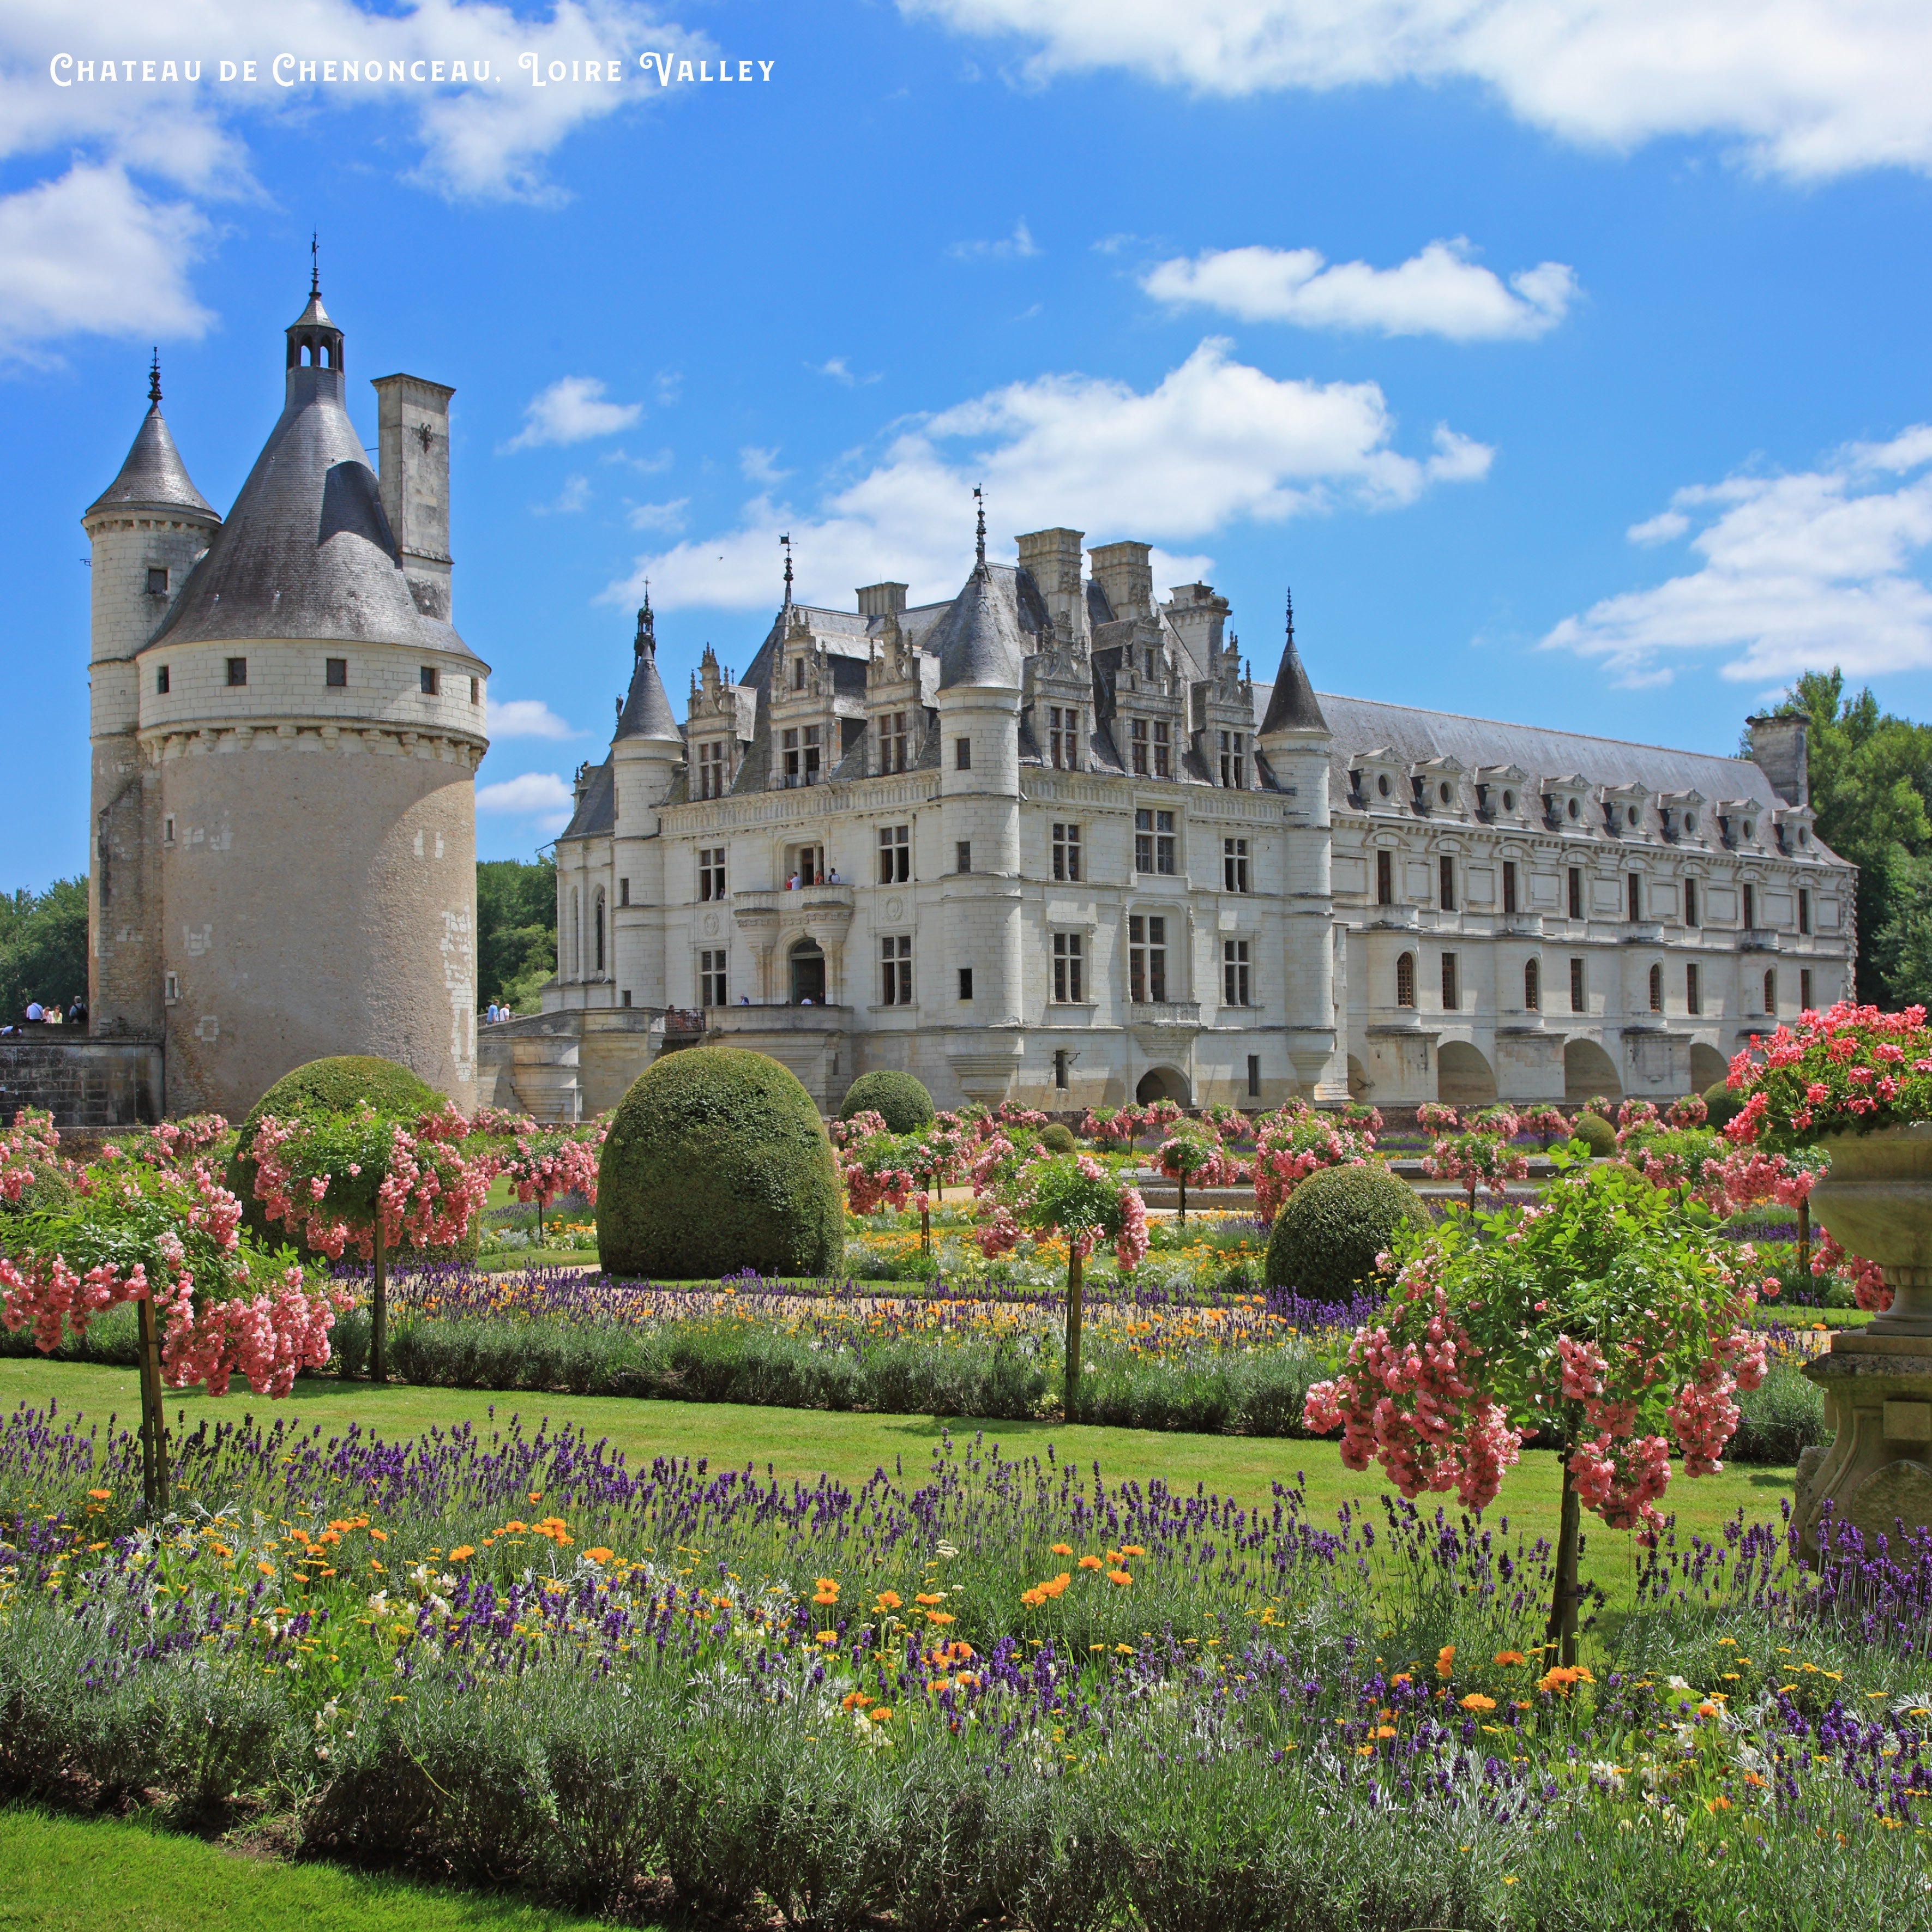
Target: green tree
(516,930)
(43,946)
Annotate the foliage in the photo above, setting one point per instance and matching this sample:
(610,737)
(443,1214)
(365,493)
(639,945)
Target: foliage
(516,931)
(1721,1105)
(715,1161)
(1296,1141)
(43,946)
(1547,1123)
(1325,1241)
(1058,1139)
(1849,1070)
(1484,1159)
(1436,1118)
(1596,1133)
(899,1098)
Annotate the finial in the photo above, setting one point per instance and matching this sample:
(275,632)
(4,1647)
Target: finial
(154,377)
(647,624)
(980,544)
(1291,614)
(620,708)
(786,540)
(314,264)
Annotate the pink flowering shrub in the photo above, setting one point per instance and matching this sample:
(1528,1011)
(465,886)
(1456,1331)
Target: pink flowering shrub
(29,1151)
(1361,1118)
(1848,1070)
(1292,1143)
(1635,1117)
(542,1162)
(171,1142)
(1435,1119)
(1689,1112)
(1680,1158)
(1866,1279)
(1119,1125)
(1547,1123)
(863,1126)
(1484,1160)
(1225,1123)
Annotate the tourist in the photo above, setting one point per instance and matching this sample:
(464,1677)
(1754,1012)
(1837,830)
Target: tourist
(744,1000)
(832,877)
(791,884)
(36,1013)
(494,1014)
(76,1012)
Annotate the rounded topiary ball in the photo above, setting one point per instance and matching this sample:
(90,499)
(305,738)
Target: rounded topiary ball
(1058,1138)
(1326,1237)
(901,1098)
(716,1161)
(1596,1133)
(1721,1105)
(334,1086)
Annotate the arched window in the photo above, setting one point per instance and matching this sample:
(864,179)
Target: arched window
(1657,989)
(1405,980)
(1532,986)
(1771,993)
(597,918)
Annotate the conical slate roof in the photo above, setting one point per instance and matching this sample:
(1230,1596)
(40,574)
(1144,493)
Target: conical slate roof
(154,476)
(1292,705)
(647,712)
(978,641)
(306,550)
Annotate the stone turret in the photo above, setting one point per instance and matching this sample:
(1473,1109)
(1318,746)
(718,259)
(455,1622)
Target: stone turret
(647,768)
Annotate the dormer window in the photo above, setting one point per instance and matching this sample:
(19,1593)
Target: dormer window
(894,741)
(1233,761)
(1445,793)
(801,755)
(1576,809)
(1382,784)
(1062,737)
(798,673)
(711,769)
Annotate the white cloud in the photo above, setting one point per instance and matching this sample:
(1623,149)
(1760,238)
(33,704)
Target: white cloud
(1440,291)
(89,253)
(572,410)
(523,718)
(760,466)
(645,466)
(1797,573)
(1010,248)
(533,792)
(571,499)
(1805,88)
(667,517)
(1215,443)
(840,370)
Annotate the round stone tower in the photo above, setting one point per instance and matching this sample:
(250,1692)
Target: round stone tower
(309,723)
(646,755)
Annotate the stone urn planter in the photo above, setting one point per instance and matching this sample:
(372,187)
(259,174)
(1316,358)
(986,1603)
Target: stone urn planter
(1876,1474)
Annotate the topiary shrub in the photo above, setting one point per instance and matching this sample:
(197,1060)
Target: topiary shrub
(334,1085)
(1058,1138)
(1723,1105)
(1329,1230)
(1595,1133)
(716,1161)
(901,1098)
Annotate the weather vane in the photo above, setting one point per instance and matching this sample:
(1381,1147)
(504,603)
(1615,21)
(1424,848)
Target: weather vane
(980,536)
(154,377)
(314,263)
(786,540)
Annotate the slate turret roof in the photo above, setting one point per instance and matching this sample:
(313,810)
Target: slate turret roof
(154,476)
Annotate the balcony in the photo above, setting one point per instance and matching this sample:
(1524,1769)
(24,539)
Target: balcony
(1760,939)
(1164,1017)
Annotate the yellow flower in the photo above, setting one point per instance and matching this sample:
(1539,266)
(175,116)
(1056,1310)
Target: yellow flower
(461,1551)
(1445,1661)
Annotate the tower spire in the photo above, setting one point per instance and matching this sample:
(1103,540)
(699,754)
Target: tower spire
(979,535)
(314,263)
(647,629)
(154,377)
(786,540)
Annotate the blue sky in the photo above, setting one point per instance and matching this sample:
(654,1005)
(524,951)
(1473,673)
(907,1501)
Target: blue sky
(1568,361)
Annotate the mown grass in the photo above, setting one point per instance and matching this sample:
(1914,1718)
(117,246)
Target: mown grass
(805,1443)
(60,1874)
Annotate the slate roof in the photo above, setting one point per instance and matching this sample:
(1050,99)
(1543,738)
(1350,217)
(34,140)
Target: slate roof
(978,641)
(1291,702)
(647,712)
(154,476)
(597,810)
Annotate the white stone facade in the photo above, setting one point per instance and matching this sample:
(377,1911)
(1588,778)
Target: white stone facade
(1145,874)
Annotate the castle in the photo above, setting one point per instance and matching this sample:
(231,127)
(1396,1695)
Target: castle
(285,727)
(1047,840)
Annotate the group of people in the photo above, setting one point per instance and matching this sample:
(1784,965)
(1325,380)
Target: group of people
(495,1013)
(35,1014)
(831,878)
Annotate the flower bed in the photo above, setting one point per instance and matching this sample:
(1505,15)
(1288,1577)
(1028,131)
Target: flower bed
(1012,1691)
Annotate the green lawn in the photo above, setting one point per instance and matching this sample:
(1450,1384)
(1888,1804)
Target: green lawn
(109,1875)
(795,1442)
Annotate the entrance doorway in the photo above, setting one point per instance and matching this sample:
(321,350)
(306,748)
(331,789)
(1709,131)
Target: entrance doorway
(807,973)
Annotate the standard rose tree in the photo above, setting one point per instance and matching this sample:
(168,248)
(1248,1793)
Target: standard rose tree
(542,1162)
(1606,1322)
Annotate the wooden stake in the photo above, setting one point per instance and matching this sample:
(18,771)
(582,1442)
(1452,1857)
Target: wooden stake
(1073,1402)
(154,1420)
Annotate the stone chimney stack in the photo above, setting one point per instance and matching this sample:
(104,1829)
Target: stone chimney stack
(1051,558)
(1780,748)
(1198,612)
(1122,570)
(412,442)
(881,600)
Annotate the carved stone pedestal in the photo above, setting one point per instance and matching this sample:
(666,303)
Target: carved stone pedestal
(1876,1473)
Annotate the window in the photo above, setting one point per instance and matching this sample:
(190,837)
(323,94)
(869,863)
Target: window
(335,674)
(1068,962)
(895,957)
(1771,993)
(1062,737)
(801,754)
(965,982)
(432,681)
(798,673)
(1451,1004)
(894,741)
(1576,891)
(1384,879)
(1254,1075)
(1137,745)
(962,755)
(168,829)
(1147,959)
(1577,1003)
(597,927)
(158,580)
(1446,884)
(1657,989)
(1634,897)
(623,892)
(1804,910)
(1163,761)
(624,998)
(1405,980)
(1693,996)
(161,681)
(1147,659)
(1691,902)
(1066,852)
(711,979)
(963,855)
(807,864)
(1234,865)
(895,854)
(1153,841)
(171,988)
(1233,761)
(1060,1059)
(1532,987)
(710,873)
(1509,886)
(711,769)
(238,670)
(1235,986)
(1804,989)
(476,697)
(1750,911)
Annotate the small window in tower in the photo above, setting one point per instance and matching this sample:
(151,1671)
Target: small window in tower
(1532,986)
(1450,1003)
(964,855)
(1405,980)
(965,982)
(171,988)
(1445,896)
(1693,996)
(1578,1003)
(623,892)
(1059,1069)
(238,670)
(158,580)
(1254,1075)
(168,829)
(1804,911)
(476,697)
(1509,886)
(962,755)
(161,681)
(430,681)
(335,674)
(1384,879)
(1576,891)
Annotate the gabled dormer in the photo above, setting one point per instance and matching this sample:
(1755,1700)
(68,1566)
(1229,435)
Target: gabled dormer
(1502,793)
(1794,825)
(1377,780)
(1221,718)
(1436,787)
(1057,686)
(1566,802)
(1626,810)
(1740,824)
(1148,693)
(806,738)
(719,720)
(1680,815)
(900,681)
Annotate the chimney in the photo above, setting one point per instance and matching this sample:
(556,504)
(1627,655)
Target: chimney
(1198,614)
(413,442)
(881,600)
(1051,558)
(1123,571)
(1780,748)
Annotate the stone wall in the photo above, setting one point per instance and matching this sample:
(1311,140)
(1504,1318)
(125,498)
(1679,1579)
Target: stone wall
(81,1082)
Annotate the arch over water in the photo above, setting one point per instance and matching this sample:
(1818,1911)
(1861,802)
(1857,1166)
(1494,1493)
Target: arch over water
(1588,1070)
(1463,1078)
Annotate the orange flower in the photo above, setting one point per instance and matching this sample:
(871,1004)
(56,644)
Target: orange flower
(826,1599)
(828,1637)
(1561,1679)
(1119,1576)
(882,1715)
(100,1495)
(889,1600)
(461,1551)
(1402,1677)
(1510,1656)
(940,1617)
(1445,1661)
(1133,1550)
(929,1598)
(1063,1550)
(1385,1730)
(597,1555)
(266,1569)
(1476,1701)
(853,1699)
(1090,1563)
(1032,1598)
(1752,1779)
